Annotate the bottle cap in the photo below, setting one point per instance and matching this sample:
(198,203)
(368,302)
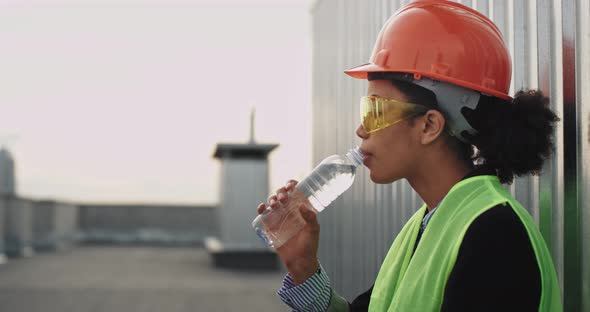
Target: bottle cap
(356,156)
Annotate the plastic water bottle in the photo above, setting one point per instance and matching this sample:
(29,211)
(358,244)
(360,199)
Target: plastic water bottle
(323,185)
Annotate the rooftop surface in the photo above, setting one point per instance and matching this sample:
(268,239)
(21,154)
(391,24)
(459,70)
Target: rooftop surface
(132,279)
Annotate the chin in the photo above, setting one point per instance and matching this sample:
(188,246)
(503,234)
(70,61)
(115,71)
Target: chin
(379,179)
(383,179)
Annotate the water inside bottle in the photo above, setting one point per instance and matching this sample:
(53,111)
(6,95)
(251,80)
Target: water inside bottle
(276,226)
(316,192)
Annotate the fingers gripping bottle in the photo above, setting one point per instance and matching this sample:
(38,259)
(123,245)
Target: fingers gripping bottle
(323,185)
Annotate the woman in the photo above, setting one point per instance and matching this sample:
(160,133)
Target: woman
(438,82)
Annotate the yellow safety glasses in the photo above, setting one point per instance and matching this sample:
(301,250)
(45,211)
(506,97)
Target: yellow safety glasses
(378,113)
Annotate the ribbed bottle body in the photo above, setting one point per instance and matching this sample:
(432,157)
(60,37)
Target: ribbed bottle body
(326,183)
(332,177)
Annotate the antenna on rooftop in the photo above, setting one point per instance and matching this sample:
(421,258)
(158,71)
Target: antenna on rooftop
(252,115)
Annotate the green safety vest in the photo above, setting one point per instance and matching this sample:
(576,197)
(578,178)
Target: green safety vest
(418,285)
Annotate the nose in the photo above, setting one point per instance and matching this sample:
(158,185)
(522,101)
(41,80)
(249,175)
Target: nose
(361,133)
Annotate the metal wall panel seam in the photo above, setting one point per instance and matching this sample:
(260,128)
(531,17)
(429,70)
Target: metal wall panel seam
(367,21)
(545,36)
(510,35)
(363,243)
(318,63)
(572,267)
(338,15)
(557,219)
(345,24)
(380,11)
(357,209)
(524,51)
(583,76)
(532,83)
(510,40)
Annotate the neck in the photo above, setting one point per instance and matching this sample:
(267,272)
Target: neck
(434,180)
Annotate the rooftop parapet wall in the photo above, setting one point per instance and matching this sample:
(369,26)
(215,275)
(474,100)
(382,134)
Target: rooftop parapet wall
(147,224)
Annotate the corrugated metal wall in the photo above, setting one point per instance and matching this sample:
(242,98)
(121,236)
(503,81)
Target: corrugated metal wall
(549,43)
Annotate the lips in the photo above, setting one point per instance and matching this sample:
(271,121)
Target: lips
(367,156)
(366,153)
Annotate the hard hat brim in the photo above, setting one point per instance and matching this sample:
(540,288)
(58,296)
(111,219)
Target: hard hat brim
(361,72)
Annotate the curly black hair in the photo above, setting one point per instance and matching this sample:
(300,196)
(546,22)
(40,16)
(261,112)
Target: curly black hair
(514,138)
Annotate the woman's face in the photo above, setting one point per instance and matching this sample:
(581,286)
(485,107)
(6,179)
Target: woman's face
(390,152)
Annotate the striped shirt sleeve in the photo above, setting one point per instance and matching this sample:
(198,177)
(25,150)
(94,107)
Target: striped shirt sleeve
(313,295)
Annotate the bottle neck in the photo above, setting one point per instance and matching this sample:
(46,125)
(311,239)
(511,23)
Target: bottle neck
(355,156)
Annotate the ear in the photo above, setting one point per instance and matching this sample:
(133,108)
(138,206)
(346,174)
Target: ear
(432,126)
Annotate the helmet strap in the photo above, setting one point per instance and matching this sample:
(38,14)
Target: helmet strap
(451,98)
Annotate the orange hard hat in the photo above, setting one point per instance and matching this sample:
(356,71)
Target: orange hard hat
(445,41)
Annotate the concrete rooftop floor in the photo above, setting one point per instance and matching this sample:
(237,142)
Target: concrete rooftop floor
(130,279)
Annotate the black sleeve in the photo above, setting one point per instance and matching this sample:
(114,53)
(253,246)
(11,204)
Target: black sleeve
(496,269)
(361,303)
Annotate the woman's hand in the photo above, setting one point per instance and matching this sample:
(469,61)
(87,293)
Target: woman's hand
(299,254)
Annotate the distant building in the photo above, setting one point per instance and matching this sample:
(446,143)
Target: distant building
(244,184)
(7,173)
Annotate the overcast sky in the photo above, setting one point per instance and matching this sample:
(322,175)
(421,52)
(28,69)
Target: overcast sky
(124,101)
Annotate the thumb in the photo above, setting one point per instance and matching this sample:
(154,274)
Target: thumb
(309,216)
